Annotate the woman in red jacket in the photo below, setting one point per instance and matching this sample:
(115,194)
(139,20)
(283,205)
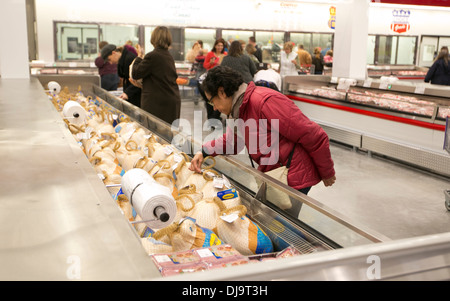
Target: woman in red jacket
(268,110)
(215,56)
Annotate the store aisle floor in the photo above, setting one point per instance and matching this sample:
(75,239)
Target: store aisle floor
(385,196)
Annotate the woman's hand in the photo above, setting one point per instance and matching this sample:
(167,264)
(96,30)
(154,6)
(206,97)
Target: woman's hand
(135,83)
(140,51)
(196,162)
(329,182)
(124,96)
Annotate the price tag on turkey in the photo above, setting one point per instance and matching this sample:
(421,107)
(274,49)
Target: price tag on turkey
(230,217)
(168,150)
(218,182)
(420,89)
(226,182)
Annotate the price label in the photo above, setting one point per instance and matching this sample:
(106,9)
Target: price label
(420,89)
(343,85)
(368,83)
(384,85)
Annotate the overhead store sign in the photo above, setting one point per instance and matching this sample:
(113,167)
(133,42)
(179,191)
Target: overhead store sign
(332,20)
(400,23)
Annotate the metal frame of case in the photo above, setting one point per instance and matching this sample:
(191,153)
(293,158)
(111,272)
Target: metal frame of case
(421,156)
(421,258)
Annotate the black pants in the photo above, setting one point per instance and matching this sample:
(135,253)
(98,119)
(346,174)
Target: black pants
(296,204)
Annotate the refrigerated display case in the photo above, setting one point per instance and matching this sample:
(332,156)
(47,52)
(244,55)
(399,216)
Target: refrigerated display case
(70,225)
(400,120)
(402,72)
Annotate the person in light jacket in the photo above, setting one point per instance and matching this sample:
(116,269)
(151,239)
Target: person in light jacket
(311,161)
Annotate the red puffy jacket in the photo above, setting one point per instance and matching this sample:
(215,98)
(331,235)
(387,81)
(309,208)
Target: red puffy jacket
(311,161)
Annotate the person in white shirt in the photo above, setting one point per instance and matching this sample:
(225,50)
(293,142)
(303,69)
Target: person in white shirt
(288,62)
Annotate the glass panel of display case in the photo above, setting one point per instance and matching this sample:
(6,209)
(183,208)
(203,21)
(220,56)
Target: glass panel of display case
(428,50)
(76,41)
(444,41)
(191,35)
(120,34)
(386,52)
(406,50)
(371,50)
(177,47)
(271,44)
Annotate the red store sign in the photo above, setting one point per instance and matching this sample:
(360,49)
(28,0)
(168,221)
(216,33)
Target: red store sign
(400,22)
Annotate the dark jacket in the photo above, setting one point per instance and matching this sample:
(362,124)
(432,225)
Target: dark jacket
(439,73)
(160,93)
(318,64)
(123,69)
(258,54)
(311,161)
(242,64)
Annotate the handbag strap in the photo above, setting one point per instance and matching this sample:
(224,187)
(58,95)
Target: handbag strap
(289,159)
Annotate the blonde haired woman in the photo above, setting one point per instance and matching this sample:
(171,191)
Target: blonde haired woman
(288,62)
(160,93)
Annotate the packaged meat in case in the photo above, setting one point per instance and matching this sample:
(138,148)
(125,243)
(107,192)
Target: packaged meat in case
(221,256)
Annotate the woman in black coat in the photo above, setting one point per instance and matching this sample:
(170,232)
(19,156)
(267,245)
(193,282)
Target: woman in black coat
(439,72)
(160,93)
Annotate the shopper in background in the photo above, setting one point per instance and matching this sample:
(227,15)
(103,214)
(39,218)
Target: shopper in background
(160,93)
(258,52)
(328,59)
(303,56)
(197,66)
(216,55)
(193,52)
(317,61)
(237,60)
(439,72)
(288,61)
(107,71)
(123,58)
(311,159)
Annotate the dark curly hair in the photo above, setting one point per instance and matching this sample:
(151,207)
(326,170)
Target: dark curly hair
(222,76)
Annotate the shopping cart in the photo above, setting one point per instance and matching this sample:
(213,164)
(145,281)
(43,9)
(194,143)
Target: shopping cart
(447,148)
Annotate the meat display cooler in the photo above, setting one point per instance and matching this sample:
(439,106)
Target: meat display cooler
(402,72)
(64,225)
(401,120)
